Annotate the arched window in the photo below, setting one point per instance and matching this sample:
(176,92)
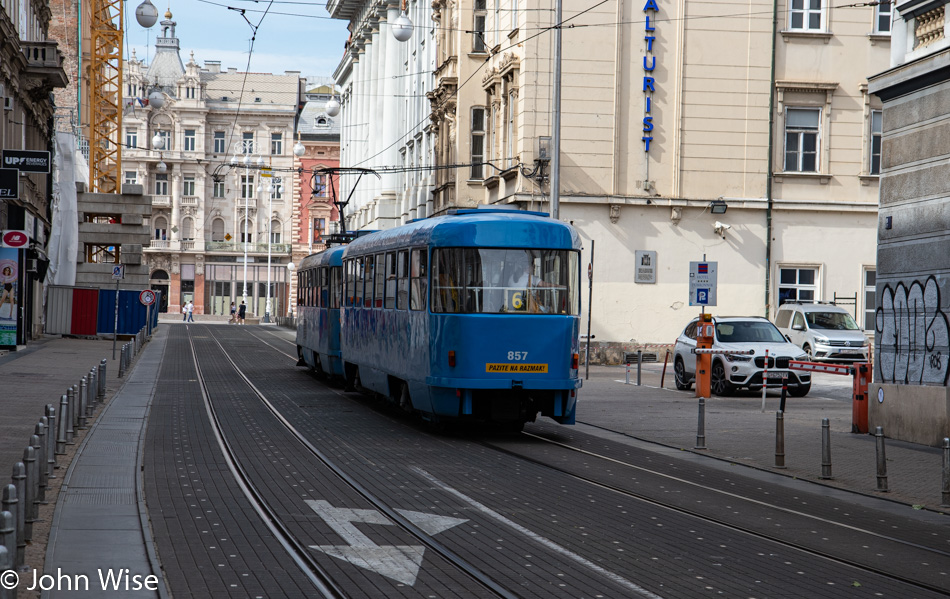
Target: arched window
(246,232)
(275,231)
(159,275)
(217,230)
(161,228)
(187,229)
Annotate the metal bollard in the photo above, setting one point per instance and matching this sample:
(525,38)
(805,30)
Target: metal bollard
(102,379)
(626,376)
(63,417)
(945,495)
(780,440)
(40,448)
(8,504)
(825,449)
(19,482)
(26,497)
(8,535)
(6,564)
(90,393)
(32,483)
(122,362)
(881,460)
(51,433)
(81,404)
(94,387)
(639,362)
(71,429)
(701,425)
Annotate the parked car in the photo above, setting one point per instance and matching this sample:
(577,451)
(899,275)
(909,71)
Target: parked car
(734,371)
(826,332)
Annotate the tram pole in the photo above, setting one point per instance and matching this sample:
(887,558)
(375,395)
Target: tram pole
(590,298)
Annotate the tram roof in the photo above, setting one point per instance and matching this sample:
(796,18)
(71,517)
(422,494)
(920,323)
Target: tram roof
(475,228)
(332,256)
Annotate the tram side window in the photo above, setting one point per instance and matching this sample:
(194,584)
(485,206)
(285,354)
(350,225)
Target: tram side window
(336,286)
(368,277)
(312,287)
(390,302)
(300,280)
(402,281)
(324,282)
(358,282)
(349,291)
(418,284)
(380,280)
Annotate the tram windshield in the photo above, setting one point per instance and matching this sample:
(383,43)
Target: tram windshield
(494,281)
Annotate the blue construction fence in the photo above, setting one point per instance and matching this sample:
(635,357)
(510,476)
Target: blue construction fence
(87,311)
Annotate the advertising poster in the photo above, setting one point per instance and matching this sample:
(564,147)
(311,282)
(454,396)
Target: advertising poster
(9,274)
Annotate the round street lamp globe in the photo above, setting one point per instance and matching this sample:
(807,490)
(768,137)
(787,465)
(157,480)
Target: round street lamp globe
(161,167)
(158,143)
(332,107)
(146,14)
(299,150)
(290,266)
(156,100)
(402,28)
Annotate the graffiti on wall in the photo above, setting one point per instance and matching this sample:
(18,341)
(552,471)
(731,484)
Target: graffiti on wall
(913,334)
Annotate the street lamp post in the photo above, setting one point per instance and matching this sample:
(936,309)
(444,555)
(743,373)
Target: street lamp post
(271,189)
(247,210)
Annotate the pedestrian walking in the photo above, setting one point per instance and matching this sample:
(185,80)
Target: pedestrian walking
(189,310)
(242,311)
(233,314)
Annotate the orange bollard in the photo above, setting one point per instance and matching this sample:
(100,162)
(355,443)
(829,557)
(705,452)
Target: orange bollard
(859,403)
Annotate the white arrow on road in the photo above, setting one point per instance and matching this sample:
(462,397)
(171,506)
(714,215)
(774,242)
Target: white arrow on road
(398,562)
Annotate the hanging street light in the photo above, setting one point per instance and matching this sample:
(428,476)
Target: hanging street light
(299,149)
(402,28)
(157,142)
(146,14)
(332,107)
(156,99)
(161,167)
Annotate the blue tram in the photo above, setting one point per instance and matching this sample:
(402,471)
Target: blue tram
(319,290)
(469,316)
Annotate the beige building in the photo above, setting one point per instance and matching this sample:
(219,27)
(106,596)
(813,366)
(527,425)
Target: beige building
(671,113)
(220,131)
(666,109)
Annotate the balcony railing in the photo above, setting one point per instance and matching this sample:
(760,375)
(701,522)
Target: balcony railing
(44,59)
(161,200)
(247,203)
(189,201)
(252,248)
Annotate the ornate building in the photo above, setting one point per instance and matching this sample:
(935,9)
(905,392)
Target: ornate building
(385,120)
(220,177)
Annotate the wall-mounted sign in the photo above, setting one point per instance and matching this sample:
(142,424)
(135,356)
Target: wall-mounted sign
(645,266)
(14,239)
(9,184)
(26,161)
(649,65)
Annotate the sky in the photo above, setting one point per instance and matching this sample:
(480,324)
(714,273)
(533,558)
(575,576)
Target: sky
(293,35)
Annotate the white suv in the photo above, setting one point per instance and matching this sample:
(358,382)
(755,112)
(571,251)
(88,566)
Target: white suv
(826,332)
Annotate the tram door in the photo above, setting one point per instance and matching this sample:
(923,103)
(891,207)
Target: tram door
(221,297)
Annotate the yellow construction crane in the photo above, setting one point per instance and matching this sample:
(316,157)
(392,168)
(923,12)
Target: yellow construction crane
(105,114)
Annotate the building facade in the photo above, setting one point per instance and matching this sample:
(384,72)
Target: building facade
(669,114)
(31,67)
(385,122)
(912,332)
(217,159)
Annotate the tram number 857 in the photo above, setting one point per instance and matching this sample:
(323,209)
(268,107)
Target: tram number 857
(517,355)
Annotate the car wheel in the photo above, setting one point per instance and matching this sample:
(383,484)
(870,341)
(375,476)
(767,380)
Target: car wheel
(808,354)
(719,385)
(679,375)
(800,391)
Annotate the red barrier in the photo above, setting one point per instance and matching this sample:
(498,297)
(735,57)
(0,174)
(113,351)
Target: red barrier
(859,390)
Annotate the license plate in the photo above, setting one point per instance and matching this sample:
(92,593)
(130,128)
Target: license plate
(776,375)
(518,368)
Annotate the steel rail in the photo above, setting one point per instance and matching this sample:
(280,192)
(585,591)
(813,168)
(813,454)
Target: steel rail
(450,556)
(297,550)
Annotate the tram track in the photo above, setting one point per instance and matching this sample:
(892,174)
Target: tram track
(927,553)
(936,554)
(297,548)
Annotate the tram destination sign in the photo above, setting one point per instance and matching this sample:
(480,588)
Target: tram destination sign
(27,161)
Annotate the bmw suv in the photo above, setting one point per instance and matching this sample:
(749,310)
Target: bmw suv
(733,371)
(825,332)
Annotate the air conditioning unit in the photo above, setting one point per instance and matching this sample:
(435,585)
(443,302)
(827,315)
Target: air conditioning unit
(32,265)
